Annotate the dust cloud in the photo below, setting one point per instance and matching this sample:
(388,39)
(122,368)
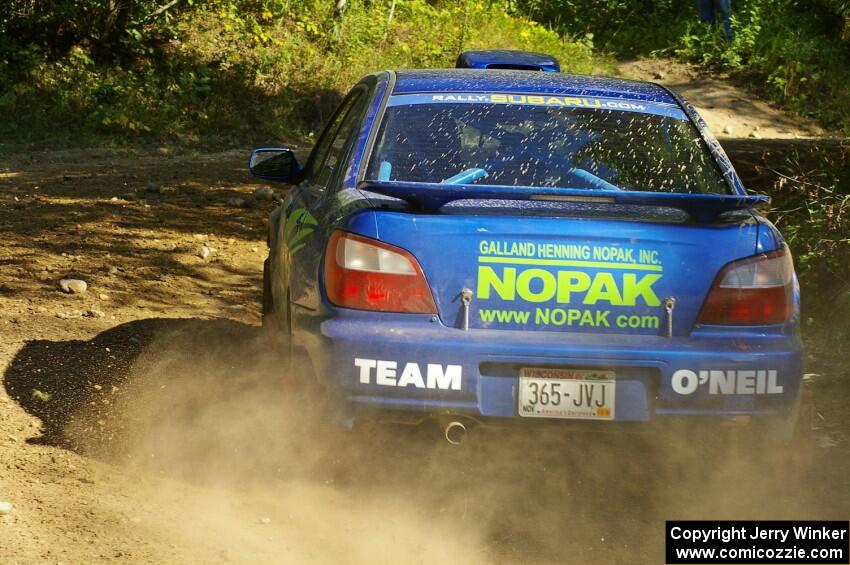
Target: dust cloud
(234,463)
(235,466)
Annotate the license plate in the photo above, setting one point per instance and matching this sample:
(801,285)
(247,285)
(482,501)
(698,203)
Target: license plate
(583,394)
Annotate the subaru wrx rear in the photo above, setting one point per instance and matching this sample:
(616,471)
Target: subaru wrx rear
(509,244)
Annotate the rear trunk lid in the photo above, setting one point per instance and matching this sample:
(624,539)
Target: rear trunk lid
(569,273)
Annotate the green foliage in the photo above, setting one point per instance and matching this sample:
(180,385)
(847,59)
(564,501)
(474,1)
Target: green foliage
(231,71)
(812,195)
(626,27)
(207,70)
(794,52)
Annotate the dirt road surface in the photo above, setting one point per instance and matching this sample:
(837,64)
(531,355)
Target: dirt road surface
(729,111)
(143,422)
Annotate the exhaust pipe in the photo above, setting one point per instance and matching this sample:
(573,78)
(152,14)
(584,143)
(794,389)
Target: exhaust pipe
(455,432)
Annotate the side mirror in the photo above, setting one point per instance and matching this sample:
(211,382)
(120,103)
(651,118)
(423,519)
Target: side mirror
(275,164)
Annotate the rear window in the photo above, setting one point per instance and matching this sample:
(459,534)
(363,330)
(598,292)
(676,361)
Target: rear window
(545,141)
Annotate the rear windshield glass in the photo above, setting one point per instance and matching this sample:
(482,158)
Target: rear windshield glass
(546,141)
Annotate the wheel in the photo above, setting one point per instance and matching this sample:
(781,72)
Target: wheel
(299,386)
(785,446)
(276,330)
(800,450)
(268,301)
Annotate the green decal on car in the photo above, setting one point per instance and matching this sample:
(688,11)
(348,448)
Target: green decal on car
(563,280)
(299,224)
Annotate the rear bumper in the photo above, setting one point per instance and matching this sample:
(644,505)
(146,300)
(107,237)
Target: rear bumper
(413,363)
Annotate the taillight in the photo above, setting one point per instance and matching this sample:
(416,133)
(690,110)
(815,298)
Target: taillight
(752,292)
(366,274)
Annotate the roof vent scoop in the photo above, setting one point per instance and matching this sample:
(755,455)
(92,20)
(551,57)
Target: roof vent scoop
(505,59)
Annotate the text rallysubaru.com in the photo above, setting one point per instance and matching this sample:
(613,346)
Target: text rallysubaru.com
(762,542)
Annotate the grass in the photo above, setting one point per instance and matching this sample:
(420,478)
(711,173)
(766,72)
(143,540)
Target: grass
(216,78)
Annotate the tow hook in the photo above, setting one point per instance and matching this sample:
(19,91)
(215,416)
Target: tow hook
(669,305)
(466,300)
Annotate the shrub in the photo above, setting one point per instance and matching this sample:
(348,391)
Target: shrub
(226,72)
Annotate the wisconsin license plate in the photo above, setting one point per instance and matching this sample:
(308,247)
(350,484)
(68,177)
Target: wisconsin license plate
(583,394)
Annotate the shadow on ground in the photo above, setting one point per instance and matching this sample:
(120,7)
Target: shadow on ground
(61,382)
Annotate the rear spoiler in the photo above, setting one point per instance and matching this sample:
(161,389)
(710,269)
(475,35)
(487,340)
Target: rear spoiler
(432,196)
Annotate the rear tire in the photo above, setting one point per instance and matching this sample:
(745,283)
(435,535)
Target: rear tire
(276,333)
(299,386)
(275,330)
(785,447)
(798,453)
(268,302)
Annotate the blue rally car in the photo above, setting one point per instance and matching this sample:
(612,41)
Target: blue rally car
(489,242)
